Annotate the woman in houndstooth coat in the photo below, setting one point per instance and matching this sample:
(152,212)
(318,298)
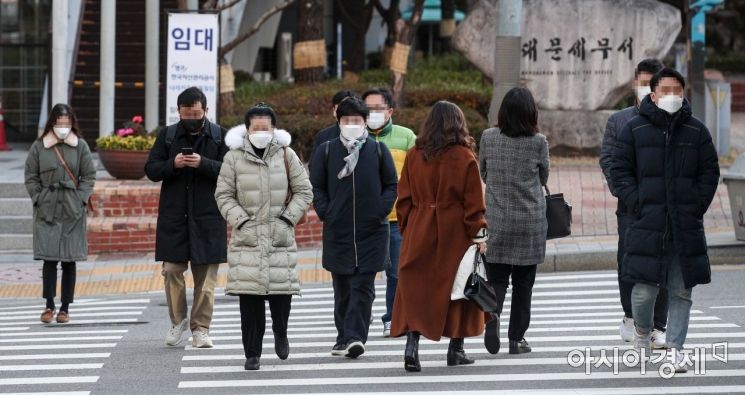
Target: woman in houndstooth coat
(514,165)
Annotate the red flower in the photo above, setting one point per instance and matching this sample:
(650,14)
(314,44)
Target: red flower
(137,119)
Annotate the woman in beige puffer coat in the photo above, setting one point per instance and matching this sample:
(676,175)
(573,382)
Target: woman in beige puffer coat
(252,194)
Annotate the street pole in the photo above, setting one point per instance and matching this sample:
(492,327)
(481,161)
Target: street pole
(152,40)
(59,73)
(108,69)
(507,53)
(697,52)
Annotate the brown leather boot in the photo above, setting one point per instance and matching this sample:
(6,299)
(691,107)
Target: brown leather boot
(63,317)
(47,316)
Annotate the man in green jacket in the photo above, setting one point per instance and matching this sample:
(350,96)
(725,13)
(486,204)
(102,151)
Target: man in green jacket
(399,140)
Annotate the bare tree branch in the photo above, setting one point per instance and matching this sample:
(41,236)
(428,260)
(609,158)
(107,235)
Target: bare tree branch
(226,6)
(255,28)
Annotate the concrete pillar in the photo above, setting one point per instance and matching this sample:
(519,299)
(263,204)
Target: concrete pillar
(152,57)
(507,55)
(60,72)
(108,69)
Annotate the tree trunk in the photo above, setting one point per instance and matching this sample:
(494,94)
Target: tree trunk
(357,15)
(447,25)
(310,28)
(390,16)
(406,33)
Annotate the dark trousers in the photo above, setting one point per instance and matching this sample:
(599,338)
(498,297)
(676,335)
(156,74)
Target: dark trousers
(353,299)
(253,320)
(49,276)
(523,278)
(625,288)
(391,274)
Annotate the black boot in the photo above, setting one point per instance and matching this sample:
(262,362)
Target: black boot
(252,363)
(491,335)
(519,347)
(456,354)
(411,354)
(281,347)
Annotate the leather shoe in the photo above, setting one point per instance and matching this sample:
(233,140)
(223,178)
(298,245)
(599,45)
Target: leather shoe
(252,363)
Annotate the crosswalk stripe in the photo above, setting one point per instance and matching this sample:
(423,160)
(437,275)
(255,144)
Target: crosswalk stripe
(635,390)
(12,328)
(60,339)
(74,320)
(54,356)
(429,379)
(431,351)
(296,302)
(80,303)
(49,380)
(61,332)
(76,309)
(401,342)
(60,366)
(348,365)
(58,346)
(376,328)
(36,316)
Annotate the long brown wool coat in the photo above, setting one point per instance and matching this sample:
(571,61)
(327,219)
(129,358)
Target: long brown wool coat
(440,210)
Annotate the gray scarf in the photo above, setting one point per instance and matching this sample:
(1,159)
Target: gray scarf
(353,148)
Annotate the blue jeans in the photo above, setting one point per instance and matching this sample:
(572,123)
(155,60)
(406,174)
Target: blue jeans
(679,304)
(391,273)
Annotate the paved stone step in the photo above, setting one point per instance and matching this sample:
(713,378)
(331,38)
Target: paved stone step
(16,206)
(16,225)
(13,190)
(15,242)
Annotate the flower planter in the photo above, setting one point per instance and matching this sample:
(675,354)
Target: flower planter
(124,165)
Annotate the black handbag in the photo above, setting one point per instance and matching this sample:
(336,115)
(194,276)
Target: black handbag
(559,216)
(478,289)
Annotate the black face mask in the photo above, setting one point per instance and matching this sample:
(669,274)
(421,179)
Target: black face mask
(192,125)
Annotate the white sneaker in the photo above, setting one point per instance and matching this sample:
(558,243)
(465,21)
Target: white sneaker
(679,362)
(658,339)
(354,349)
(200,339)
(643,344)
(386,329)
(173,338)
(627,329)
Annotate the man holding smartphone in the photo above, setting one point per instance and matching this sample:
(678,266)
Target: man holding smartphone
(187,157)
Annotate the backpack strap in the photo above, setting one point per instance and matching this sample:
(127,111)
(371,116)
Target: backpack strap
(215,132)
(171,134)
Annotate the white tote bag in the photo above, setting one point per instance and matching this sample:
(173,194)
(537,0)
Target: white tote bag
(464,270)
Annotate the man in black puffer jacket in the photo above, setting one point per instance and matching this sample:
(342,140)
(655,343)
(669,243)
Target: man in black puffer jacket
(666,170)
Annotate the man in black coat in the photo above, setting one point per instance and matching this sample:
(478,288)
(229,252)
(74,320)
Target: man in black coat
(665,169)
(187,157)
(354,186)
(642,75)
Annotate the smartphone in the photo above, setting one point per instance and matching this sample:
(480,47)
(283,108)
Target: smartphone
(187,151)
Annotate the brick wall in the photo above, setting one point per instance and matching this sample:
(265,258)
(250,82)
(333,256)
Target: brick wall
(738,96)
(126,214)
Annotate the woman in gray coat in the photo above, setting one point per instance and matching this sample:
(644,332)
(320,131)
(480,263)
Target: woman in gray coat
(59,178)
(263,191)
(514,165)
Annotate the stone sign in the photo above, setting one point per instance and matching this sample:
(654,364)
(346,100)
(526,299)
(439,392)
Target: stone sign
(576,54)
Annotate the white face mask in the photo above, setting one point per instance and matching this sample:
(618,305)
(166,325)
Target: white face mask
(61,133)
(376,120)
(642,92)
(352,132)
(260,140)
(670,103)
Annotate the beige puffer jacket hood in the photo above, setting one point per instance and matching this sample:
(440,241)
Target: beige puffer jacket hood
(251,194)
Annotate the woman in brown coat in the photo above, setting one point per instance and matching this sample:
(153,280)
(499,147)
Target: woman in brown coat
(441,205)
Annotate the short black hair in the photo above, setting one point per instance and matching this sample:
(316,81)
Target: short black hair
(353,106)
(666,72)
(650,65)
(259,110)
(382,92)
(341,95)
(190,97)
(518,115)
